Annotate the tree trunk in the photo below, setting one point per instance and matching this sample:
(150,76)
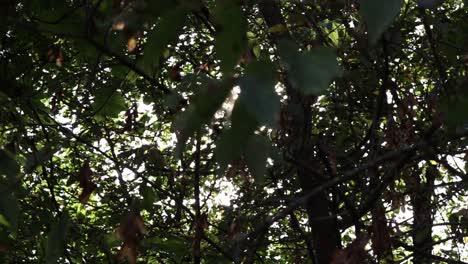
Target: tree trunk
(325,236)
(421,195)
(324,229)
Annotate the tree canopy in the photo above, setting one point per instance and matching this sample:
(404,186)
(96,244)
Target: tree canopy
(233,131)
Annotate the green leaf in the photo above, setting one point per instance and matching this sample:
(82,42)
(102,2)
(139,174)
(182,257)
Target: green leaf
(228,150)
(207,101)
(4,221)
(258,92)
(40,157)
(256,155)
(279,28)
(185,125)
(8,165)
(49,10)
(378,15)
(154,158)
(108,102)
(166,31)
(112,240)
(210,258)
(9,209)
(311,72)
(176,247)
(257,51)
(455,108)
(157,8)
(56,16)
(55,244)
(232,142)
(149,196)
(231,40)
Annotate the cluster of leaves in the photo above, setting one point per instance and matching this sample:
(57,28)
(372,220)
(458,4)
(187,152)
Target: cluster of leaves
(233,131)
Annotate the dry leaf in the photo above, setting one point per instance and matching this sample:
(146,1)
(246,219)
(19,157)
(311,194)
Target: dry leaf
(3,248)
(84,177)
(55,54)
(131,227)
(131,44)
(119,25)
(128,252)
(130,230)
(234,229)
(174,74)
(59,59)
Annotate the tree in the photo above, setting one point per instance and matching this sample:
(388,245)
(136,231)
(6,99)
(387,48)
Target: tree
(233,131)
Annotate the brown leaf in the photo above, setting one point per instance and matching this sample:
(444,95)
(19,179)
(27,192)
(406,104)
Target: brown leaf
(131,44)
(51,54)
(130,230)
(84,177)
(86,192)
(55,54)
(299,258)
(246,57)
(116,4)
(204,67)
(234,229)
(59,59)
(3,248)
(231,172)
(339,257)
(128,252)
(85,174)
(140,224)
(131,227)
(174,74)
(119,25)
(353,254)
(465,58)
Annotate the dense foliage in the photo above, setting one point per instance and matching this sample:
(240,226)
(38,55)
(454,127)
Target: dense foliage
(266,131)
